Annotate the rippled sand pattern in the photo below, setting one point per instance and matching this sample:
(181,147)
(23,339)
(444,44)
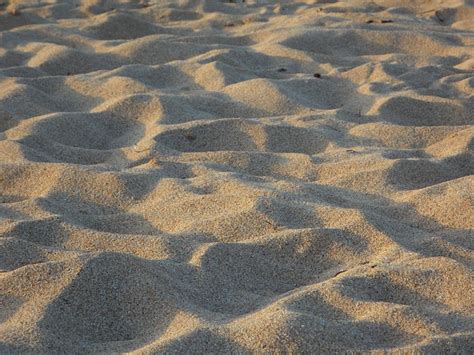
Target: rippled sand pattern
(210,176)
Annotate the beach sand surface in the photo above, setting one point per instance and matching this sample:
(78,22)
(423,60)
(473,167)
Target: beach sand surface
(210,176)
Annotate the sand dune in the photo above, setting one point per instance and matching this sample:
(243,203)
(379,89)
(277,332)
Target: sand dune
(215,176)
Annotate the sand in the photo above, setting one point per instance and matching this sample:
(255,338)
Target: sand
(214,176)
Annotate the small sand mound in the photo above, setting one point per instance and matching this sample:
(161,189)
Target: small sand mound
(238,135)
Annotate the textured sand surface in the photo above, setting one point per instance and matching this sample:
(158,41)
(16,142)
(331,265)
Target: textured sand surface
(217,176)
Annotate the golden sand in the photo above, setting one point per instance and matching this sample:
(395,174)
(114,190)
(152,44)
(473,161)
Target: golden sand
(214,176)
